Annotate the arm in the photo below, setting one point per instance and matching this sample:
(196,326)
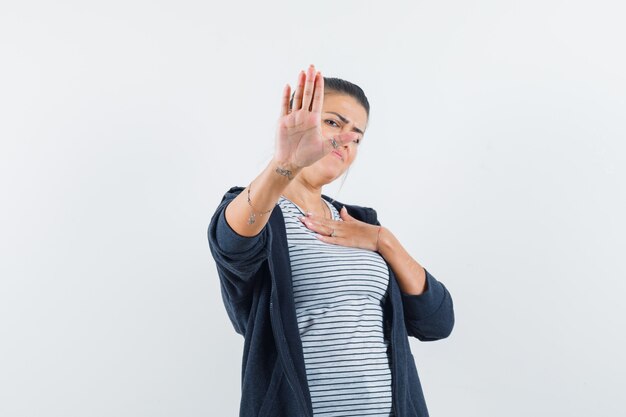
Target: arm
(238,245)
(299,143)
(410,274)
(237,234)
(238,259)
(429,316)
(427,304)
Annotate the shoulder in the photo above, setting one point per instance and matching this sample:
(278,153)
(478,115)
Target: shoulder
(232,193)
(363,213)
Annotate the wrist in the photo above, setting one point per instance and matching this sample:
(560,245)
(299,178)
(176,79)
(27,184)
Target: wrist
(285,169)
(384,241)
(377,231)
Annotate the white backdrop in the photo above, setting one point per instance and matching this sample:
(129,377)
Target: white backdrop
(498,127)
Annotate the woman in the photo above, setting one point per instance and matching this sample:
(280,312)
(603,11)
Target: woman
(323,294)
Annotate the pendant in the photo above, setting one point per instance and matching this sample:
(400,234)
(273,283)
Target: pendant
(251,218)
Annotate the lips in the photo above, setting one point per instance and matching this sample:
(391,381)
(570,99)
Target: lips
(338,154)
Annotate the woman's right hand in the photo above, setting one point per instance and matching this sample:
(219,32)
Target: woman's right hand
(299,138)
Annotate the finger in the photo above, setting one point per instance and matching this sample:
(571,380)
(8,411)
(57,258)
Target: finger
(284,108)
(318,94)
(308,87)
(297,98)
(329,239)
(311,225)
(344,214)
(318,225)
(321,220)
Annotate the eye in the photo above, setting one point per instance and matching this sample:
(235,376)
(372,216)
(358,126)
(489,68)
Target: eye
(331,123)
(357,141)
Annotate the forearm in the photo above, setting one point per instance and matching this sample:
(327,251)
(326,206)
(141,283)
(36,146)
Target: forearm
(266,189)
(409,273)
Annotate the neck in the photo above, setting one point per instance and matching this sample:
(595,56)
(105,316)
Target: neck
(305,194)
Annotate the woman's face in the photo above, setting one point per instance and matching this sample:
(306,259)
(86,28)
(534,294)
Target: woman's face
(340,113)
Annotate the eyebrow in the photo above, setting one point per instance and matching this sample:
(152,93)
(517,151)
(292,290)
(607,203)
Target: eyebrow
(346,121)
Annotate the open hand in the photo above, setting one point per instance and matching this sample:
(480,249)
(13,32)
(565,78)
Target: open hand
(345,232)
(299,140)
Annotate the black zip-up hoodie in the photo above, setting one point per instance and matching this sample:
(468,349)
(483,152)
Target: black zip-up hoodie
(255,280)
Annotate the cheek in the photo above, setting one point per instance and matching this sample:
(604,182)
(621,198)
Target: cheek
(354,150)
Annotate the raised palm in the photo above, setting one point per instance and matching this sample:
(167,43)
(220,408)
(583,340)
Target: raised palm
(299,139)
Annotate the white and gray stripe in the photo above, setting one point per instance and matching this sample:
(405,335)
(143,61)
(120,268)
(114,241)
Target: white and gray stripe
(339,292)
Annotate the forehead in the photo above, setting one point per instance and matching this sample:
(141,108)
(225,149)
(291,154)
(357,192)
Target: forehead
(347,106)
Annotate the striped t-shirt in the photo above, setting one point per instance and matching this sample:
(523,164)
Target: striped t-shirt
(338,293)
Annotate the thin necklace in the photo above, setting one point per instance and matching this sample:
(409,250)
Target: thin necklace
(330,215)
(324,207)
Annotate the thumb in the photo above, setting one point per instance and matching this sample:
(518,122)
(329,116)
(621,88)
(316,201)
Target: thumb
(344,214)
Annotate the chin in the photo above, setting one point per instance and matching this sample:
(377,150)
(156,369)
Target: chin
(326,172)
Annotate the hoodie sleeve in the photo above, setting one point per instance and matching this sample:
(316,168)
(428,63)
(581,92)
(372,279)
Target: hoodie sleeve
(430,315)
(238,258)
